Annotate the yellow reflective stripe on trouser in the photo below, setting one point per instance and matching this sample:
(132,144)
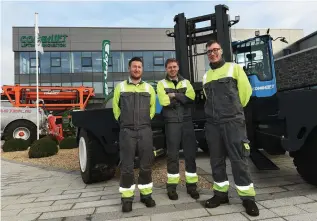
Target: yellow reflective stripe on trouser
(127,192)
(221,187)
(173,178)
(246,190)
(145,189)
(191,177)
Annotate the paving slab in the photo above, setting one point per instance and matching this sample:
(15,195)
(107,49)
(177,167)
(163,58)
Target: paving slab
(59,195)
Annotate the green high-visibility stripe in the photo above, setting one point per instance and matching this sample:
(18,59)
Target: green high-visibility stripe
(248,192)
(146,191)
(191,179)
(173,180)
(127,193)
(224,188)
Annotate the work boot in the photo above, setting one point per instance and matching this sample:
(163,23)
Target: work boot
(172,195)
(148,201)
(126,206)
(215,201)
(250,207)
(193,193)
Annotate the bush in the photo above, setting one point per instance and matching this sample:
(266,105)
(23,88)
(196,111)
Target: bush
(44,147)
(53,138)
(68,143)
(15,144)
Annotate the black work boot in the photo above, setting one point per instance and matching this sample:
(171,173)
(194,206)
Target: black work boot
(193,193)
(148,201)
(126,206)
(215,201)
(250,207)
(172,195)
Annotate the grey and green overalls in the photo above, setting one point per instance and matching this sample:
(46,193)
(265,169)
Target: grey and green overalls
(179,129)
(134,107)
(227,90)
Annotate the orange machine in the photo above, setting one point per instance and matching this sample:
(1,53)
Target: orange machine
(58,99)
(55,98)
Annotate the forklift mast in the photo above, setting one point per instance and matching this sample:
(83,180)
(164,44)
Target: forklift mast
(186,40)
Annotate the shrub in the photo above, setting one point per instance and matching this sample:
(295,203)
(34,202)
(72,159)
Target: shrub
(44,147)
(15,144)
(68,143)
(53,138)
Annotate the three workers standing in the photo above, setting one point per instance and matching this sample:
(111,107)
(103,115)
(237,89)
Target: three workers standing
(227,91)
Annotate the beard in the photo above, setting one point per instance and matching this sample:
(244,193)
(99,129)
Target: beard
(135,77)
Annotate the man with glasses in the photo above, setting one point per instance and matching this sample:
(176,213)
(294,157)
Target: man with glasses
(227,90)
(176,94)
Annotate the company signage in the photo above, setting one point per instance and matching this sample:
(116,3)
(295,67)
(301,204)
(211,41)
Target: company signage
(53,41)
(105,62)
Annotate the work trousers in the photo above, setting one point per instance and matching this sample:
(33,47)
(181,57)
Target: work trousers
(230,140)
(132,141)
(178,134)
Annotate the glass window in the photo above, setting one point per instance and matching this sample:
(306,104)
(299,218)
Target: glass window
(96,62)
(87,84)
(116,62)
(148,61)
(98,87)
(32,62)
(65,61)
(76,60)
(158,61)
(86,62)
(76,84)
(24,62)
(138,54)
(55,62)
(45,67)
(127,55)
(66,84)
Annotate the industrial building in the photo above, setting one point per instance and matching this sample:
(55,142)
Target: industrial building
(73,55)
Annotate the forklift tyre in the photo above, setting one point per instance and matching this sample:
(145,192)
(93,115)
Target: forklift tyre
(89,173)
(305,159)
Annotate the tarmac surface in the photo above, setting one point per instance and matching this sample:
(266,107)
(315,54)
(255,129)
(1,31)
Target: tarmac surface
(39,193)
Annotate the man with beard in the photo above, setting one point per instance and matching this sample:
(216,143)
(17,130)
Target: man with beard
(227,90)
(134,107)
(176,94)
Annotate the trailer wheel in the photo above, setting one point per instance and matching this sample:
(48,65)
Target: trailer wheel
(22,129)
(90,173)
(305,159)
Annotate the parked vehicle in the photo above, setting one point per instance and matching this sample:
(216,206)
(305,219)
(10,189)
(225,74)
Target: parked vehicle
(20,122)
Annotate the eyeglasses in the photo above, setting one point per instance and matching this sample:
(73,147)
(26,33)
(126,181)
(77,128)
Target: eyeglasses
(214,50)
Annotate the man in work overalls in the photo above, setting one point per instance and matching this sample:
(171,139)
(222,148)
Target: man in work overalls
(227,90)
(175,94)
(134,107)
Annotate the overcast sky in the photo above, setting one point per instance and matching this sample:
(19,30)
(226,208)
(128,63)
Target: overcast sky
(253,14)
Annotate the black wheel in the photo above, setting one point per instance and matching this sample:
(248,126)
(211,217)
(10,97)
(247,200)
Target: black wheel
(305,159)
(22,129)
(91,171)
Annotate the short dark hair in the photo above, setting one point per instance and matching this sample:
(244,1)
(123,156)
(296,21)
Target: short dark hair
(211,42)
(170,60)
(135,59)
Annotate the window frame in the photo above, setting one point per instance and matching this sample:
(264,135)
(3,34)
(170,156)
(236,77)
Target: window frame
(56,66)
(155,64)
(31,66)
(86,66)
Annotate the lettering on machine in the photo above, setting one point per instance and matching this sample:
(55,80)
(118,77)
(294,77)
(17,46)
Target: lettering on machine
(265,87)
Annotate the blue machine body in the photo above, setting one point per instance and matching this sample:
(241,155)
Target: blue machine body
(255,55)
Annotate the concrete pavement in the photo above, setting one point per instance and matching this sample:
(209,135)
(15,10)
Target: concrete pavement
(35,193)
